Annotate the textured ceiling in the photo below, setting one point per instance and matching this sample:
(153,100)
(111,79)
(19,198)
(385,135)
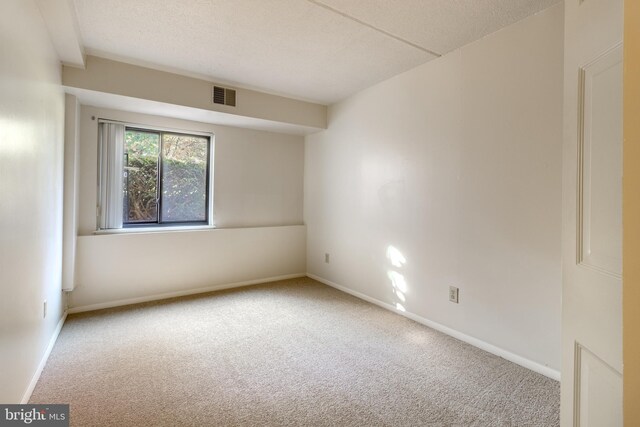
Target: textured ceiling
(439,25)
(317,50)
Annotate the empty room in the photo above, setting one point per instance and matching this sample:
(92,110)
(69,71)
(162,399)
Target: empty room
(319,213)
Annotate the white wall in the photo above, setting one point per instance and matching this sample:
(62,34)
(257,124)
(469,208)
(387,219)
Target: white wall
(31,156)
(456,164)
(258,184)
(70,209)
(116,267)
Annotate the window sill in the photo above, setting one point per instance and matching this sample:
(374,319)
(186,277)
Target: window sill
(144,230)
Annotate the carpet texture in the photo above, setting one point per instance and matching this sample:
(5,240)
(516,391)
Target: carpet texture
(290,353)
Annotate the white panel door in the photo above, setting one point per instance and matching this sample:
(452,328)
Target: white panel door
(592,210)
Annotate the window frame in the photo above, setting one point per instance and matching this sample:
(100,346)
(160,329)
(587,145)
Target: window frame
(159,225)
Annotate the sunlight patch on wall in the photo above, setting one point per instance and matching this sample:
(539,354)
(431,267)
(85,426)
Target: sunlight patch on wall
(395,256)
(398,282)
(16,136)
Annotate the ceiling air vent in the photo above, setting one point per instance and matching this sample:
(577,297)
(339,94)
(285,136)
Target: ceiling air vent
(224,96)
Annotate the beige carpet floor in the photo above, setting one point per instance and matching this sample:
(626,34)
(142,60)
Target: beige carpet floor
(291,353)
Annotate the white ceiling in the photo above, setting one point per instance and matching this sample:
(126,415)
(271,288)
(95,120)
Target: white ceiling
(316,50)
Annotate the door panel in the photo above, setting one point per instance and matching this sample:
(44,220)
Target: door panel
(600,168)
(592,215)
(598,391)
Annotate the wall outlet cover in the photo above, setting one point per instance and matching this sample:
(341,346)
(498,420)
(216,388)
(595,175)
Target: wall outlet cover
(453,294)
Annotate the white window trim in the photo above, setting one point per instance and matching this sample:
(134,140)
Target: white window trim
(146,230)
(160,228)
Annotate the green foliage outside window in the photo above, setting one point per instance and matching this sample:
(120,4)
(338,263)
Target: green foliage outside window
(184,177)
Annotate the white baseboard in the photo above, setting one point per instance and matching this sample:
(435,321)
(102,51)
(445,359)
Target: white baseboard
(36,376)
(166,295)
(522,361)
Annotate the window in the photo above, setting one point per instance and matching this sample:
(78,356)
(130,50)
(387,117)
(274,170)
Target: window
(153,178)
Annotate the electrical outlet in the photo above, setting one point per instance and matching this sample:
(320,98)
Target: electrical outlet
(44,309)
(326,258)
(453,294)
